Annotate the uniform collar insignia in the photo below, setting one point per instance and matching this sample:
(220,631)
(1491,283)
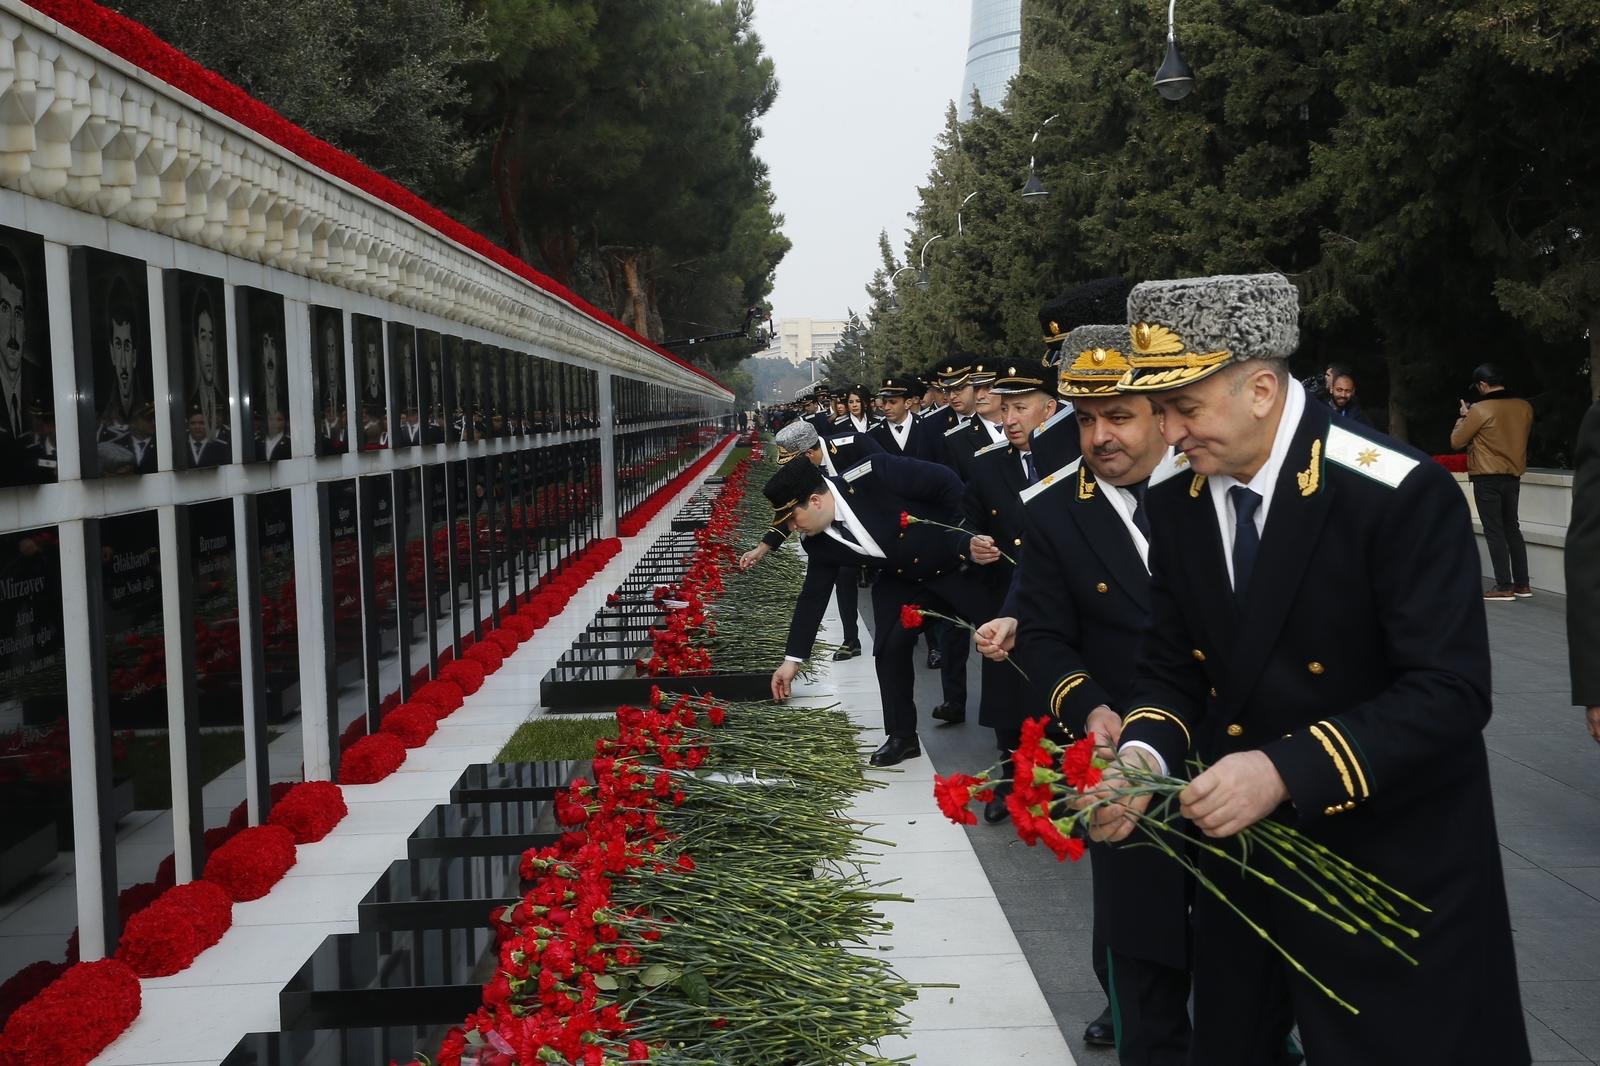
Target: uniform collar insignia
(1086,483)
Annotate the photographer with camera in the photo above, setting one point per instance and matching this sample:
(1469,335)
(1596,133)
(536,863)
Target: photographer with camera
(1493,430)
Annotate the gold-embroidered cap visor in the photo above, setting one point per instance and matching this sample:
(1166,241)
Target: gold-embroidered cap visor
(781,513)
(1093,372)
(1056,333)
(785,455)
(1160,361)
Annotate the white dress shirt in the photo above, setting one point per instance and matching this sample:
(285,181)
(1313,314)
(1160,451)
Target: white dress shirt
(1265,479)
(864,543)
(997,432)
(861,424)
(901,432)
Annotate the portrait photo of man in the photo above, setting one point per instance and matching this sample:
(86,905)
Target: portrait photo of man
(327,380)
(266,369)
(403,373)
(209,356)
(430,357)
(459,384)
(27,399)
(111,317)
(374,404)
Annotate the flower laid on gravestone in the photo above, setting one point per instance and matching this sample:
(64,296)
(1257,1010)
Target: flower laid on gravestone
(1056,790)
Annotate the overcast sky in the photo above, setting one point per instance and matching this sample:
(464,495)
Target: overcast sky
(863,86)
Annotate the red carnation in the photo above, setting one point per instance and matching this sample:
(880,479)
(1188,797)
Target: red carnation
(611,601)
(1065,847)
(487,655)
(165,937)
(465,674)
(445,695)
(247,866)
(27,983)
(504,638)
(207,906)
(371,759)
(906,519)
(911,616)
(716,715)
(310,810)
(75,1018)
(953,794)
(412,723)
(1077,764)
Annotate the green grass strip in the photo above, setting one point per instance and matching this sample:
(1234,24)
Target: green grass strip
(552,738)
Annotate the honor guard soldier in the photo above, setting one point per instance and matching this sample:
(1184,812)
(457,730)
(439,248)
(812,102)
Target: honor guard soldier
(1081,599)
(799,441)
(983,429)
(1026,394)
(854,520)
(1317,642)
(900,433)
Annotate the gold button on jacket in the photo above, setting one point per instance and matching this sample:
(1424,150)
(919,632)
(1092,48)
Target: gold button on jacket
(1102,587)
(1315,667)
(1235,730)
(1199,656)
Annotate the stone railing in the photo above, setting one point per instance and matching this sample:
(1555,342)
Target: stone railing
(1545,510)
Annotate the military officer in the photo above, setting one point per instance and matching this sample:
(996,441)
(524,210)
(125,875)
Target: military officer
(1100,300)
(833,454)
(854,520)
(936,413)
(1080,600)
(1353,708)
(982,429)
(900,433)
(1026,393)
(1582,567)
(817,410)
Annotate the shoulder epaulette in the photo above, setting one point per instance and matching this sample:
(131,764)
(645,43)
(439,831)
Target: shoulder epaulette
(1049,479)
(841,420)
(957,428)
(857,470)
(846,439)
(1355,452)
(1059,416)
(992,447)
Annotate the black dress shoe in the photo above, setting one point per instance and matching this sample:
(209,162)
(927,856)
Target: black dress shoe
(935,660)
(950,714)
(1100,1032)
(846,651)
(896,750)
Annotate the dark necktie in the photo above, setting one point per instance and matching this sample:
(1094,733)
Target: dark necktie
(16,418)
(844,531)
(1141,520)
(1027,467)
(1246,540)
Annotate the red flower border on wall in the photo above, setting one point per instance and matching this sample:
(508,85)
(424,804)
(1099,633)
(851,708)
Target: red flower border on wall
(136,44)
(635,520)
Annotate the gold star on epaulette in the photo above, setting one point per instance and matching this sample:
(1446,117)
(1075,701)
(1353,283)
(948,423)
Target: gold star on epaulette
(1368,457)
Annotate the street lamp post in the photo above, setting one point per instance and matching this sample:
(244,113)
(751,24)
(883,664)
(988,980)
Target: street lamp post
(969,196)
(893,306)
(922,276)
(1034,189)
(1174,80)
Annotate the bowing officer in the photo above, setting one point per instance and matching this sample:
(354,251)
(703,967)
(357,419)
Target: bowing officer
(900,432)
(798,440)
(1353,708)
(1026,395)
(854,520)
(1081,599)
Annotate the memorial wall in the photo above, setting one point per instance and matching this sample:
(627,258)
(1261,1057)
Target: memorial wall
(273,440)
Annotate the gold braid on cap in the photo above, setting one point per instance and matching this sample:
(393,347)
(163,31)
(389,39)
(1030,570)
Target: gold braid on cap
(1157,347)
(1095,372)
(785,455)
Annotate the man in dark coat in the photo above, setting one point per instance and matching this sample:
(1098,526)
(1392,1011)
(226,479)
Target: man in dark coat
(834,454)
(855,519)
(1351,708)
(1583,572)
(982,429)
(1080,599)
(900,432)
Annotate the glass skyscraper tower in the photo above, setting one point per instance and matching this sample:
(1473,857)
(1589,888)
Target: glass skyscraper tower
(994,52)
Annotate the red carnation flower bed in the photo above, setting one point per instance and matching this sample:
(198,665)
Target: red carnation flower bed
(310,810)
(75,1018)
(635,521)
(505,639)
(464,673)
(410,723)
(445,695)
(371,759)
(165,937)
(487,655)
(247,866)
(27,983)
(520,626)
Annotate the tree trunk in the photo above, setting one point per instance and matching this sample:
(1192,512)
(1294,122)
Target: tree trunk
(638,303)
(1594,358)
(1399,388)
(507,173)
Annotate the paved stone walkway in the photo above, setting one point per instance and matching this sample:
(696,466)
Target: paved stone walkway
(1546,773)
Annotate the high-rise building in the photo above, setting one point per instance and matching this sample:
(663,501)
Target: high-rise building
(994,52)
(798,339)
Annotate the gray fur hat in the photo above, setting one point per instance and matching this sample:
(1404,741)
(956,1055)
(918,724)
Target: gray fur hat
(1188,329)
(797,437)
(1093,360)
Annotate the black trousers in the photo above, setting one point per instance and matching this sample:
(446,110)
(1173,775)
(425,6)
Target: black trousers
(954,644)
(848,596)
(1497,496)
(1150,1009)
(893,645)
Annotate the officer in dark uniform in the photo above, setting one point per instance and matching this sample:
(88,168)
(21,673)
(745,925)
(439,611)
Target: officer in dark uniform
(1100,300)
(901,433)
(936,413)
(854,520)
(817,413)
(1352,707)
(1582,568)
(1000,473)
(1080,601)
(982,429)
(798,440)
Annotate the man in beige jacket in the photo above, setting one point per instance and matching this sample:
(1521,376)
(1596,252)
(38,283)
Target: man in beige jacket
(1493,431)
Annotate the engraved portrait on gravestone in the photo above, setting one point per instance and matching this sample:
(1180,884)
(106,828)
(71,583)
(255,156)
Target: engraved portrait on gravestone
(111,339)
(327,380)
(403,376)
(370,383)
(197,363)
(430,399)
(263,343)
(27,396)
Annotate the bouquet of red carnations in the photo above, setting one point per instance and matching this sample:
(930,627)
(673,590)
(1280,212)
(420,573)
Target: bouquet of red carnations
(1056,790)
